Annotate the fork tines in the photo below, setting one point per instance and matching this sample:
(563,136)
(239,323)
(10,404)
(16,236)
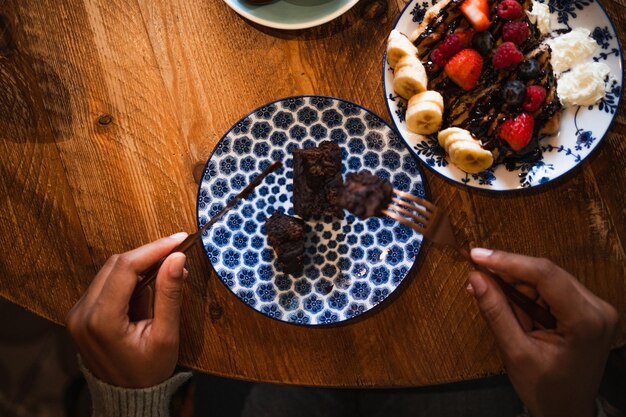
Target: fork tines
(418,209)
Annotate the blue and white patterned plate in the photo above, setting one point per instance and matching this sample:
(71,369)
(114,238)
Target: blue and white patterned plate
(350,265)
(581,130)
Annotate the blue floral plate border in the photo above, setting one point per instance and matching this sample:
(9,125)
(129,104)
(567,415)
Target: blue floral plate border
(582,129)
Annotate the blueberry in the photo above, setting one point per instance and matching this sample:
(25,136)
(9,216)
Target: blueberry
(528,70)
(513,93)
(483,42)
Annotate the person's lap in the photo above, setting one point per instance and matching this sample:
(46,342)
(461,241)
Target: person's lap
(482,398)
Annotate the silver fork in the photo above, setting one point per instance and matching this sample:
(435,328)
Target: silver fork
(435,225)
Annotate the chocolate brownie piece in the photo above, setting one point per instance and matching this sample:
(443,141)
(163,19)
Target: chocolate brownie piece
(365,195)
(317,180)
(286,236)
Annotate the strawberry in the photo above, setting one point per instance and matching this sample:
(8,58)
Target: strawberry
(517,132)
(464,68)
(480,5)
(477,13)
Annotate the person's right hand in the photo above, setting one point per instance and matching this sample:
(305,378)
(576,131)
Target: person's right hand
(119,339)
(555,372)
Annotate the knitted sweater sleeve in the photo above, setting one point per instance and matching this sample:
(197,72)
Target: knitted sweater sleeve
(111,401)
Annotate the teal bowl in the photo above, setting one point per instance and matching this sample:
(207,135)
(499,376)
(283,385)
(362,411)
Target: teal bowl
(292,14)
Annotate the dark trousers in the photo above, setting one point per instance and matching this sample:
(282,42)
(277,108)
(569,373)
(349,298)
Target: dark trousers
(490,397)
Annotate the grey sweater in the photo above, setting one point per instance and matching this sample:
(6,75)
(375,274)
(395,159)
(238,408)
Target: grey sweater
(110,401)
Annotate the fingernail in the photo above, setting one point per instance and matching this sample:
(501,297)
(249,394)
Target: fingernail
(470,289)
(185,273)
(177,265)
(481,253)
(178,235)
(479,285)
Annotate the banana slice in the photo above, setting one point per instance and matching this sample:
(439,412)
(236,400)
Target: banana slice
(458,137)
(398,46)
(455,149)
(407,61)
(409,77)
(443,136)
(454,134)
(464,151)
(432,96)
(424,112)
(473,160)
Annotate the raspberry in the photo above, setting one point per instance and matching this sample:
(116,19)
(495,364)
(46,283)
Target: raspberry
(506,55)
(535,95)
(450,46)
(509,9)
(517,132)
(438,58)
(465,37)
(516,32)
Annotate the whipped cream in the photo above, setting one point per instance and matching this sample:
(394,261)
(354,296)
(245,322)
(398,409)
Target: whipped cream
(584,85)
(540,15)
(571,48)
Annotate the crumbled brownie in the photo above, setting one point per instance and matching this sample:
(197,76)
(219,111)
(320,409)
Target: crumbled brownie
(317,180)
(365,195)
(286,236)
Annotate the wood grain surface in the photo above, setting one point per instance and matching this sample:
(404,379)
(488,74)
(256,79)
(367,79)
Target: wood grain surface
(108,111)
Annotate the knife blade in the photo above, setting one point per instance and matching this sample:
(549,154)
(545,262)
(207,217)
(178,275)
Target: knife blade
(151,273)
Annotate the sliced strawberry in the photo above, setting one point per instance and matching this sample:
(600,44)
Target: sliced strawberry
(477,12)
(517,132)
(481,5)
(464,68)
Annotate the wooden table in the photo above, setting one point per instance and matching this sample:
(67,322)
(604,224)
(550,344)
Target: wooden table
(108,112)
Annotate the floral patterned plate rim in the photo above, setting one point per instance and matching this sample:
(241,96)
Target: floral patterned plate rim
(351,265)
(582,128)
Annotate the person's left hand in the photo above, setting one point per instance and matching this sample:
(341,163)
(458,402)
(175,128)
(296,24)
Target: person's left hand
(113,346)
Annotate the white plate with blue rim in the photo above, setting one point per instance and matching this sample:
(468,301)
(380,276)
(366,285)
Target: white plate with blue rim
(292,14)
(350,265)
(581,130)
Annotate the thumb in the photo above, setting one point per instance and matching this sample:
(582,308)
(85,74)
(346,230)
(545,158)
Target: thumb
(168,295)
(495,308)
